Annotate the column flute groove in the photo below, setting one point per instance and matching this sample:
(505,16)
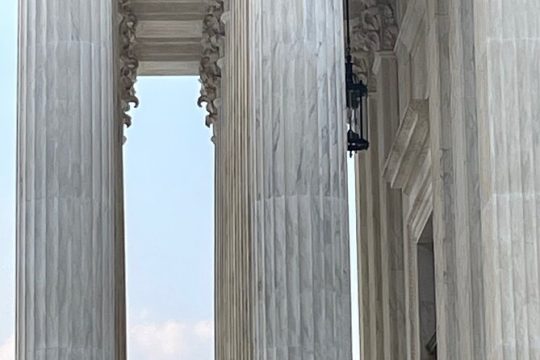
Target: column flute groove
(300,196)
(68,154)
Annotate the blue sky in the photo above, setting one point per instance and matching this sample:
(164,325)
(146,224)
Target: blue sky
(169,223)
(169,215)
(8,72)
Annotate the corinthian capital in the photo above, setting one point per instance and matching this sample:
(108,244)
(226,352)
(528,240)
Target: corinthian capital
(373,29)
(128,60)
(210,72)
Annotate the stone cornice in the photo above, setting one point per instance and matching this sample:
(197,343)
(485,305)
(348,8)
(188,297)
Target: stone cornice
(128,60)
(209,69)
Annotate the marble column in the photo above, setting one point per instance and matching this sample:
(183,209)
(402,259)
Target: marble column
(503,37)
(485,148)
(234,257)
(300,180)
(68,173)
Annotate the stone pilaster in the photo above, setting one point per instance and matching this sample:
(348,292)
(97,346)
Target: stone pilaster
(390,203)
(443,185)
(381,245)
(380,237)
(370,258)
(300,180)
(68,160)
(367,318)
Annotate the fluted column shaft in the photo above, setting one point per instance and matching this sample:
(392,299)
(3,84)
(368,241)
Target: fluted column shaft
(300,180)
(67,181)
(485,132)
(506,46)
(234,250)
(390,203)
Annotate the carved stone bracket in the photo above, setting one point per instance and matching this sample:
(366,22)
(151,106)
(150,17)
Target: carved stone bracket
(408,165)
(374,29)
(128,60)
(209,69)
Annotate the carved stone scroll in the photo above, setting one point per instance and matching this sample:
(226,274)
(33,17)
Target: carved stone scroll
(210,71)
(128,60)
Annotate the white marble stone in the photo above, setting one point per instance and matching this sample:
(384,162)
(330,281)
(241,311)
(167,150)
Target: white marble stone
(390,203)
(372,220)
(485,192)
(501,131)
(235,259)
(70,288)
(409,147)
(301,180)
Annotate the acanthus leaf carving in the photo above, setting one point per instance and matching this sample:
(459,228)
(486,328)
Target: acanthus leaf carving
(209,68)
(129,63)
(374,29)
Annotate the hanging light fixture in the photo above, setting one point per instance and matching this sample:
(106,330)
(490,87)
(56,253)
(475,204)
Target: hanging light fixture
(356,94)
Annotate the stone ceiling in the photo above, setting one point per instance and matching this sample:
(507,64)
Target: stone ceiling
(169,36)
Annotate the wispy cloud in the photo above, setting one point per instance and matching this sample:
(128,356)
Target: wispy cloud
(7,349)
(171,340)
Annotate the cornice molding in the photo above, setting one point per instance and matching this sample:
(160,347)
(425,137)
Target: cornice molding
(209,69)
(129,63)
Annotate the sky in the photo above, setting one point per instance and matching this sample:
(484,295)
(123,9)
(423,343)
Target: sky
(169,223)
(169,215)
(8,72)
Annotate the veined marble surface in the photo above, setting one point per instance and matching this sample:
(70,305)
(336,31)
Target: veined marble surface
(69,228)
(301,221)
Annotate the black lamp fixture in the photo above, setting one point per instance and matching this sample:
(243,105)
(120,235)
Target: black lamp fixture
(356,94)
